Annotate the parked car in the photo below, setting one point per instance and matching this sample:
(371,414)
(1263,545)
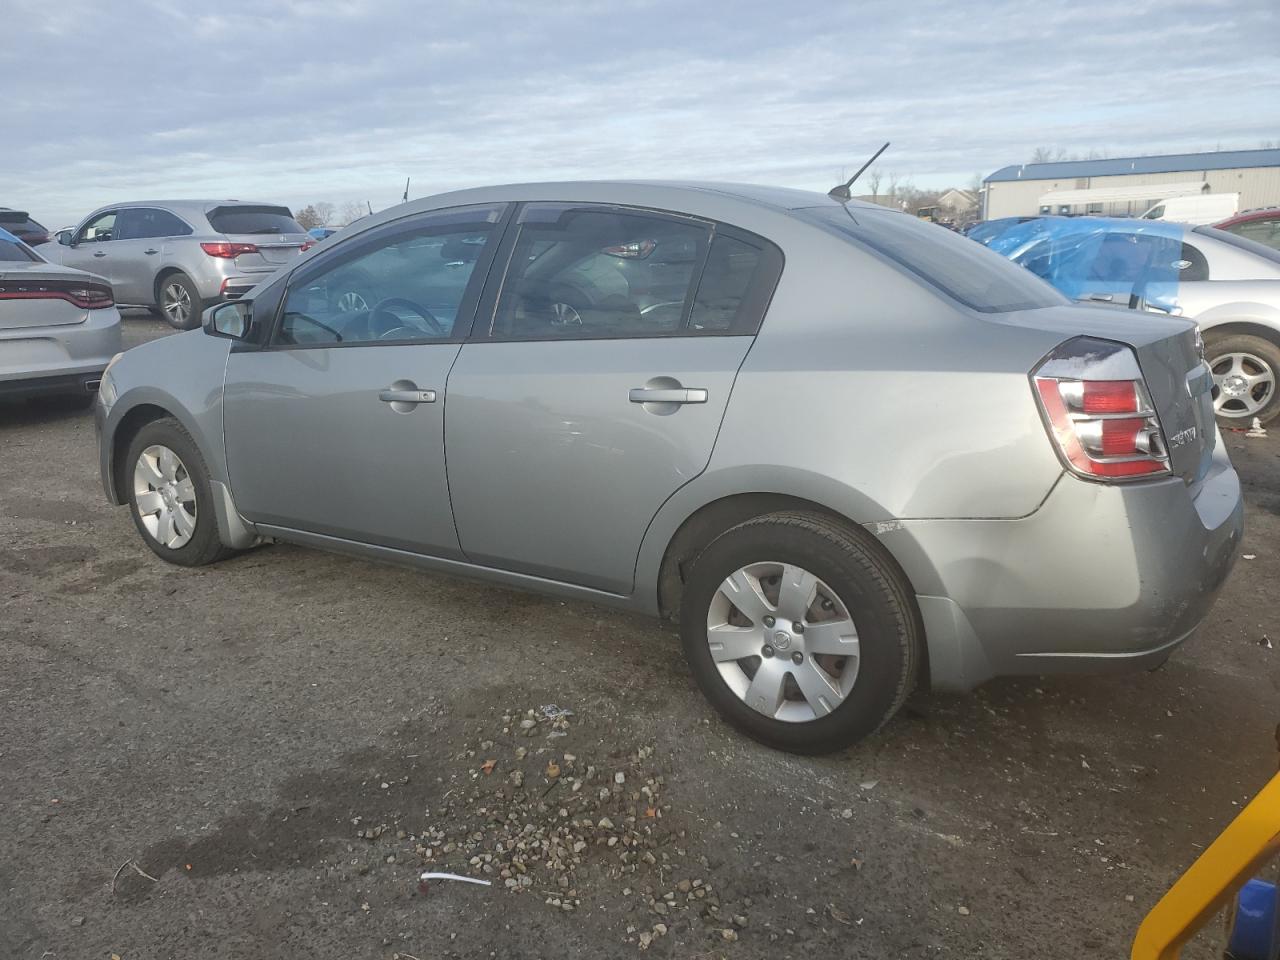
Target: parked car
(176,256)
(58,327)
(1260,226)
(863,453)
(20,224)
(984,230)
(1228,284)
(1200,209)
(321,233)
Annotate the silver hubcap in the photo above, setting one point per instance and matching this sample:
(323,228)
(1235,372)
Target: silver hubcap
(177,303)
(1242,384)
(165,496)
(351,302)
(783,642)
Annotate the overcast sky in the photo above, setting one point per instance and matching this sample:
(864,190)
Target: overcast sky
(304,100)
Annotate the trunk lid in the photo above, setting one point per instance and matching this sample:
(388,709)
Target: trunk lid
(1168,352)
(21,309)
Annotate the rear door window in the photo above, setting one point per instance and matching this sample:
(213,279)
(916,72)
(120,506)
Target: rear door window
(963,270)
(249,219)
(583,272)
(140,223)
(736,285)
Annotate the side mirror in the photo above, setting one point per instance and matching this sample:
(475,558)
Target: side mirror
(64,237)
(230,320)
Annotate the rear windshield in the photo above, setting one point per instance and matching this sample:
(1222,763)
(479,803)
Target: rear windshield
(246,219)
(1241,243)
(965,271)
(11,249)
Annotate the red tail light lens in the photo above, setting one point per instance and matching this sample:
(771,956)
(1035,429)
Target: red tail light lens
(86,296)
(228,250)
(307,246)
(635,250)
(1098,411)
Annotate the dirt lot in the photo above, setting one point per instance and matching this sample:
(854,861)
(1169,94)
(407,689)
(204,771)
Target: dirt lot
(257,759)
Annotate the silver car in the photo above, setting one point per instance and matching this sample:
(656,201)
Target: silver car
(177,256)
(58,327)
(1230,285)
(860,454)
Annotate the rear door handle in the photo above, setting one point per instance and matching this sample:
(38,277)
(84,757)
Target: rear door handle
(407,396)
(668,395)
(99,254)
(151,251)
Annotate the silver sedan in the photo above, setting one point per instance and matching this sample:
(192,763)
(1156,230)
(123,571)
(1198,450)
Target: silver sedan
(59,327)
(846,451)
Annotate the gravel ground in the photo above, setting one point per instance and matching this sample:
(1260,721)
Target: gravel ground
(257,759)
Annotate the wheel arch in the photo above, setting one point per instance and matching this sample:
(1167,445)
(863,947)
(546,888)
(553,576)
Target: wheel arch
(161,276)
(126,429)
(715,517)
(1245,327)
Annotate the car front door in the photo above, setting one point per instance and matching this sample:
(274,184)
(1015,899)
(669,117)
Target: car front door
(335,424)
(91,245)
(590,392)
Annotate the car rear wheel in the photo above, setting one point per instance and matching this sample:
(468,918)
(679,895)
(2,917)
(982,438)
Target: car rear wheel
(170,497)
(799,632)
(1245,371)
(180,304)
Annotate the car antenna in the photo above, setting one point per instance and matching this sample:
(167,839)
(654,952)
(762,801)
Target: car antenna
(842,192)
(405,198)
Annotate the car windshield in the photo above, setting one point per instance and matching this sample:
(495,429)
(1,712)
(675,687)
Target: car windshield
(1241,243)
(246,219)
(12,249)
(965,271)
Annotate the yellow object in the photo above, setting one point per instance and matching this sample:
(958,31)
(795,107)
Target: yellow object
(1209,884)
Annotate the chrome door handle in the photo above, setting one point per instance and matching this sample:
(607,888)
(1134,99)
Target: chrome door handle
(407,396)
(99,254)
(151,251)
(667,395)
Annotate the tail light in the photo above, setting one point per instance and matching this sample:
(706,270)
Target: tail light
(228,250)
(86,296)
(307,246)
(1098,411)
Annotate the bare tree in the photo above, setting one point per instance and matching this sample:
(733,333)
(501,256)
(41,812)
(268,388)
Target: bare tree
(893,185)
(350,212)
(324,210)
(308,218)
(873,181)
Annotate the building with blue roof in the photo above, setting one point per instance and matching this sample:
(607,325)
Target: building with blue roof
(1127,186)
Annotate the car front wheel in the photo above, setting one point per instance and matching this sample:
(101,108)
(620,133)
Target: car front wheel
(170,496)
(799,632)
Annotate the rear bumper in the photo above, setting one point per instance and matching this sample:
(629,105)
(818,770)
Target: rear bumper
(1101,578)
(67,358)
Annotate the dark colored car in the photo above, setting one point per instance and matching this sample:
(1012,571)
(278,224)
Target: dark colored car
(20,224)
(988,230)
(1260,226)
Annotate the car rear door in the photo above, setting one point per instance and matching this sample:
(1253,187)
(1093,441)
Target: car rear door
(335,426)
(589,393)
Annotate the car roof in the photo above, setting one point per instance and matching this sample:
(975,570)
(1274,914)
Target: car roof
(1262,213)
(188,206)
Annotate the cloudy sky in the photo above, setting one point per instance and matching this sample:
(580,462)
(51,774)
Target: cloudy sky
(302,100)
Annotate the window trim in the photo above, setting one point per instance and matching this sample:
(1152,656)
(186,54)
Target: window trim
(759,294)
(356,246)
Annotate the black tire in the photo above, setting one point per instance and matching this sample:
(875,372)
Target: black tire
(867,583)
(1260,348)
(204,546)
(196,309)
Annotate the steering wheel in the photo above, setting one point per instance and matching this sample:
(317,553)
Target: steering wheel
(382,311)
